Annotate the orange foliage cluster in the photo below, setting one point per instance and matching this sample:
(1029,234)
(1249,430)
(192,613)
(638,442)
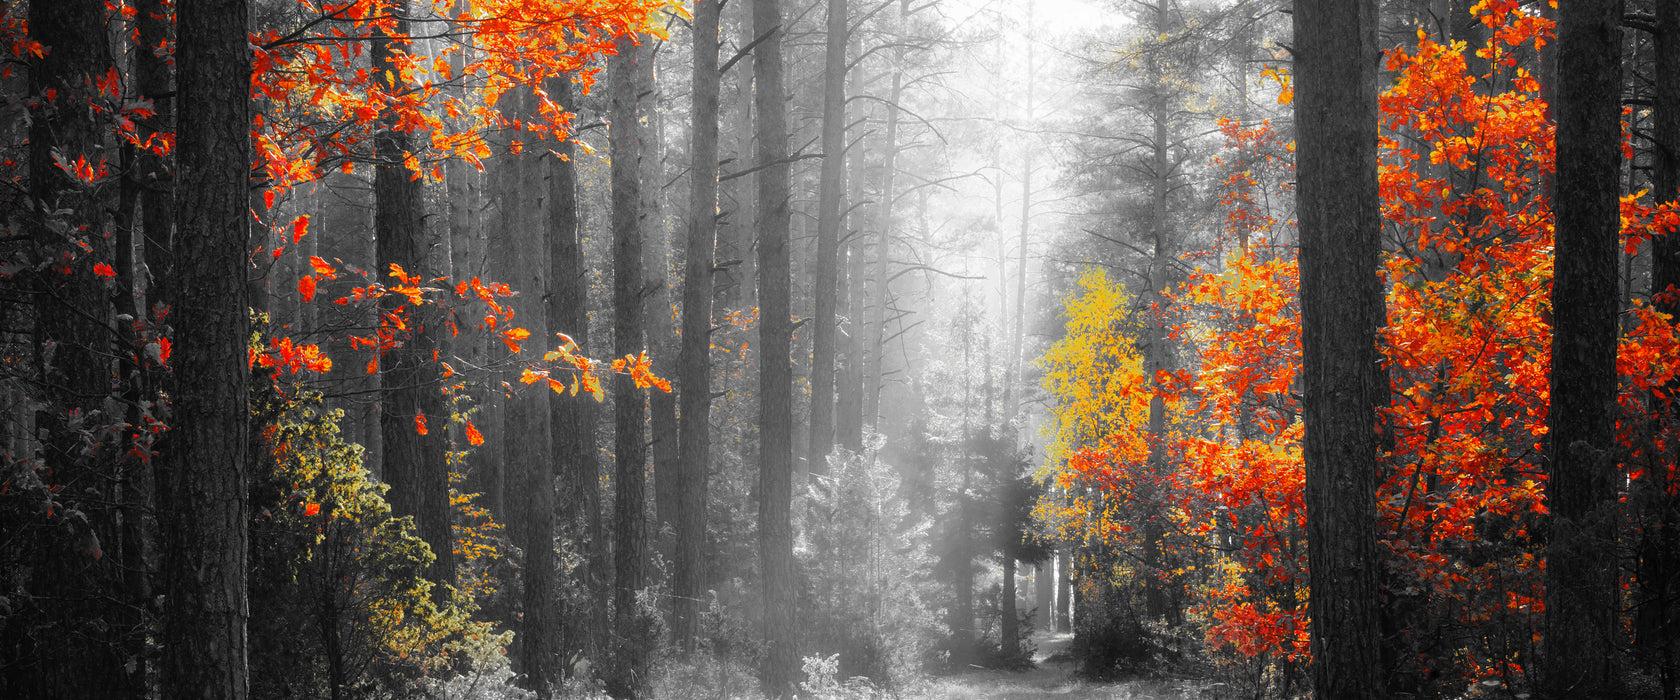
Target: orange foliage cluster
(1467,356)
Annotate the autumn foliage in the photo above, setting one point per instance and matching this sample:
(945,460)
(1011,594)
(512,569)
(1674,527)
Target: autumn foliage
(1464,163)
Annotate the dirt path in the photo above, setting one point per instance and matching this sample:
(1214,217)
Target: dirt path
(1050,680)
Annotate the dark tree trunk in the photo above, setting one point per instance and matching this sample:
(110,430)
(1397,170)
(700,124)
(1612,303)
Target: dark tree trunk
(527,456)
(413,420)
(630,447)
(72,648)
(206,474)
(695,364)
(573,419)
(831,189)
(1341,309)
(1581,567)
(775,396)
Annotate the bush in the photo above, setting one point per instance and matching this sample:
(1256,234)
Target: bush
(338,605)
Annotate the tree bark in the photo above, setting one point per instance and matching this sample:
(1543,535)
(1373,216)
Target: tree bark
(775,491)
(573,419)
(630,447)
(661,323)
(695,363)
(206,475)
(1581,567)
(527,453)
(1341,309)
(831,189)
(413,463)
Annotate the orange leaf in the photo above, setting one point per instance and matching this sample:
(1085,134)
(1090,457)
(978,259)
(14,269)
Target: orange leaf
(300,226)
(420,423)
(306,287)
(473,436)
(104,270)
(322,268)
(311,509)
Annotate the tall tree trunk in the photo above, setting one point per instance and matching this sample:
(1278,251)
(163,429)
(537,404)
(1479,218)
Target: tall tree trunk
(695,364)
(883,240)
(527,453)
(775,420)
(831,189)
(573,419)
(630,447)
(735,231)
(1341,309)
(1581,567)
(848,415)
(413,421)
(71,650)
(1012,388)
(205,479)
(661,330)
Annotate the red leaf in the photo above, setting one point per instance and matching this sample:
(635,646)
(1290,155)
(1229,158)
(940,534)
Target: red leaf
(104,270)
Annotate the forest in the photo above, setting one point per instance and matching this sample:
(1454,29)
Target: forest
(840,349)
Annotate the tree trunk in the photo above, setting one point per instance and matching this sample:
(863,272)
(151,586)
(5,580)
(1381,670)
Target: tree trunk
(1009,635)
(527,455)
(831,190)
(573,418)
(735,229)
(413,421)
(695,364)
(71,648)
(1341,309)
(205,479)
(1044,579)
(661,331)
(848,409)
(1581,567)
(1064,590)
(883,241)
(775,396)
(630,447)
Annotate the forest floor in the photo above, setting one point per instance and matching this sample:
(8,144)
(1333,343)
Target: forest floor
(1051,678)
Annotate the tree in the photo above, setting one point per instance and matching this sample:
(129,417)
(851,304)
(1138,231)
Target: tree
(694,364)
(522,256)
(1581,585)
(775,396)
(1341,310)
(831,190)
(629,424)
(572,422)
(412,418)
(204,475)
